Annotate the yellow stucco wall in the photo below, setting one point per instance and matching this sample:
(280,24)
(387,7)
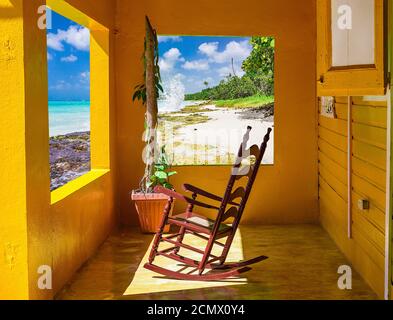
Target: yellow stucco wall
(284,193)
(13,225)
(64,229)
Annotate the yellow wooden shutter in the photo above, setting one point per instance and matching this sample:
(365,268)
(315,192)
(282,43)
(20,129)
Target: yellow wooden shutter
(350,80)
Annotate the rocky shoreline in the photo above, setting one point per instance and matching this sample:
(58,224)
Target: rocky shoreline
(265,113)
(69,157)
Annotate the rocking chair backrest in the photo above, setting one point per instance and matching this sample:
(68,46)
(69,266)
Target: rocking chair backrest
(234,201)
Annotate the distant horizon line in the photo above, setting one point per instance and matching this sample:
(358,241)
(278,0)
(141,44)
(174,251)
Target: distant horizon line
(73,100)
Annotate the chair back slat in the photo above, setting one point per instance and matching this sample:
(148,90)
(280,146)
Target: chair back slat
(238,193)
(246,153)
(245,172)
(243,167)
(254,151)
(232,212)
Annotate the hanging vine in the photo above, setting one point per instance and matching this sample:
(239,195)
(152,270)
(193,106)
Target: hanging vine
(149,92)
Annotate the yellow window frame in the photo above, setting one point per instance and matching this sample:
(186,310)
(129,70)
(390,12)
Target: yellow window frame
(99,98)
(351,80)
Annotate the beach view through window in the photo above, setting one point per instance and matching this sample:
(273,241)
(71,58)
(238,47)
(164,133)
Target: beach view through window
(214,87)
(69,100)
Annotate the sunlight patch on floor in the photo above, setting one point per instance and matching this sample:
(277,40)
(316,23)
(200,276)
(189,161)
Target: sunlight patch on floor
(146,281)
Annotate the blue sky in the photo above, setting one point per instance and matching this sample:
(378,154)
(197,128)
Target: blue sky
(68,60)
(186,61)
(192,60)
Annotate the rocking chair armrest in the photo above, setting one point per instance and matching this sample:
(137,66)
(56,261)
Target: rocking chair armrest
(203,193)
(193,189)
(176,195)
(169,193)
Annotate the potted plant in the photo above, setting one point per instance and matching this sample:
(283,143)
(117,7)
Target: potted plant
(150,205)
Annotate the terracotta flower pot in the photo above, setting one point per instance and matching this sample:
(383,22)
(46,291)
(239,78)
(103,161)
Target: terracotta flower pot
(150,208)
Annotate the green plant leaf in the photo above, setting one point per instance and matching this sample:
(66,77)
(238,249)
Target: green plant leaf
(162,181)
(137,95)
(159,167)
(161,175)
(148,184)
(172,173)
(163,166)
(168,185)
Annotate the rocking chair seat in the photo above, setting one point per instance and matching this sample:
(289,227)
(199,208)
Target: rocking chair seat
(198,223)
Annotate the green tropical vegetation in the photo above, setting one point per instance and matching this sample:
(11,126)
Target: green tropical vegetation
(247,102)
(257,83)
(161,172)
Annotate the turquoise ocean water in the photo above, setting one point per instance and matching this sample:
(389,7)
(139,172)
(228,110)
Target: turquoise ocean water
(74,116)
(68,116)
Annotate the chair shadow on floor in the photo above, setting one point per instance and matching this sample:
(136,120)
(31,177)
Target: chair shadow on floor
(149,285)
(302,264)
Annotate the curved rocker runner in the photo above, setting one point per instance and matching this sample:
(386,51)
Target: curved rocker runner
(230,206)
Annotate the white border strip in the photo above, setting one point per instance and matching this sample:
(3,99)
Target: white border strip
(388,210)
(349,169)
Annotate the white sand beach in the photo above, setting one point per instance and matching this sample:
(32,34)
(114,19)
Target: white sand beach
(214,139)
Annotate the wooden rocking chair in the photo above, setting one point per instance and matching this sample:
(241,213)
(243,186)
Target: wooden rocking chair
(231,206)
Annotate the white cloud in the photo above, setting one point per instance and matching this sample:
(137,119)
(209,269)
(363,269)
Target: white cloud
(180,76)
(228,70)
(78,37)
(70,58)
(54,41)
(225,71)
(239,51)
(163,39)
(61,85)
(49,56)
(172,54)
(169,59)
(84,77)
(80,81)
(208,48)
(211,62)
(164,65)
(196,65)
(85,74)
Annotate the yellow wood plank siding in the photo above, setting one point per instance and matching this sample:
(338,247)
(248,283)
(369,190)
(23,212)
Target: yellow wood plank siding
(366,248)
